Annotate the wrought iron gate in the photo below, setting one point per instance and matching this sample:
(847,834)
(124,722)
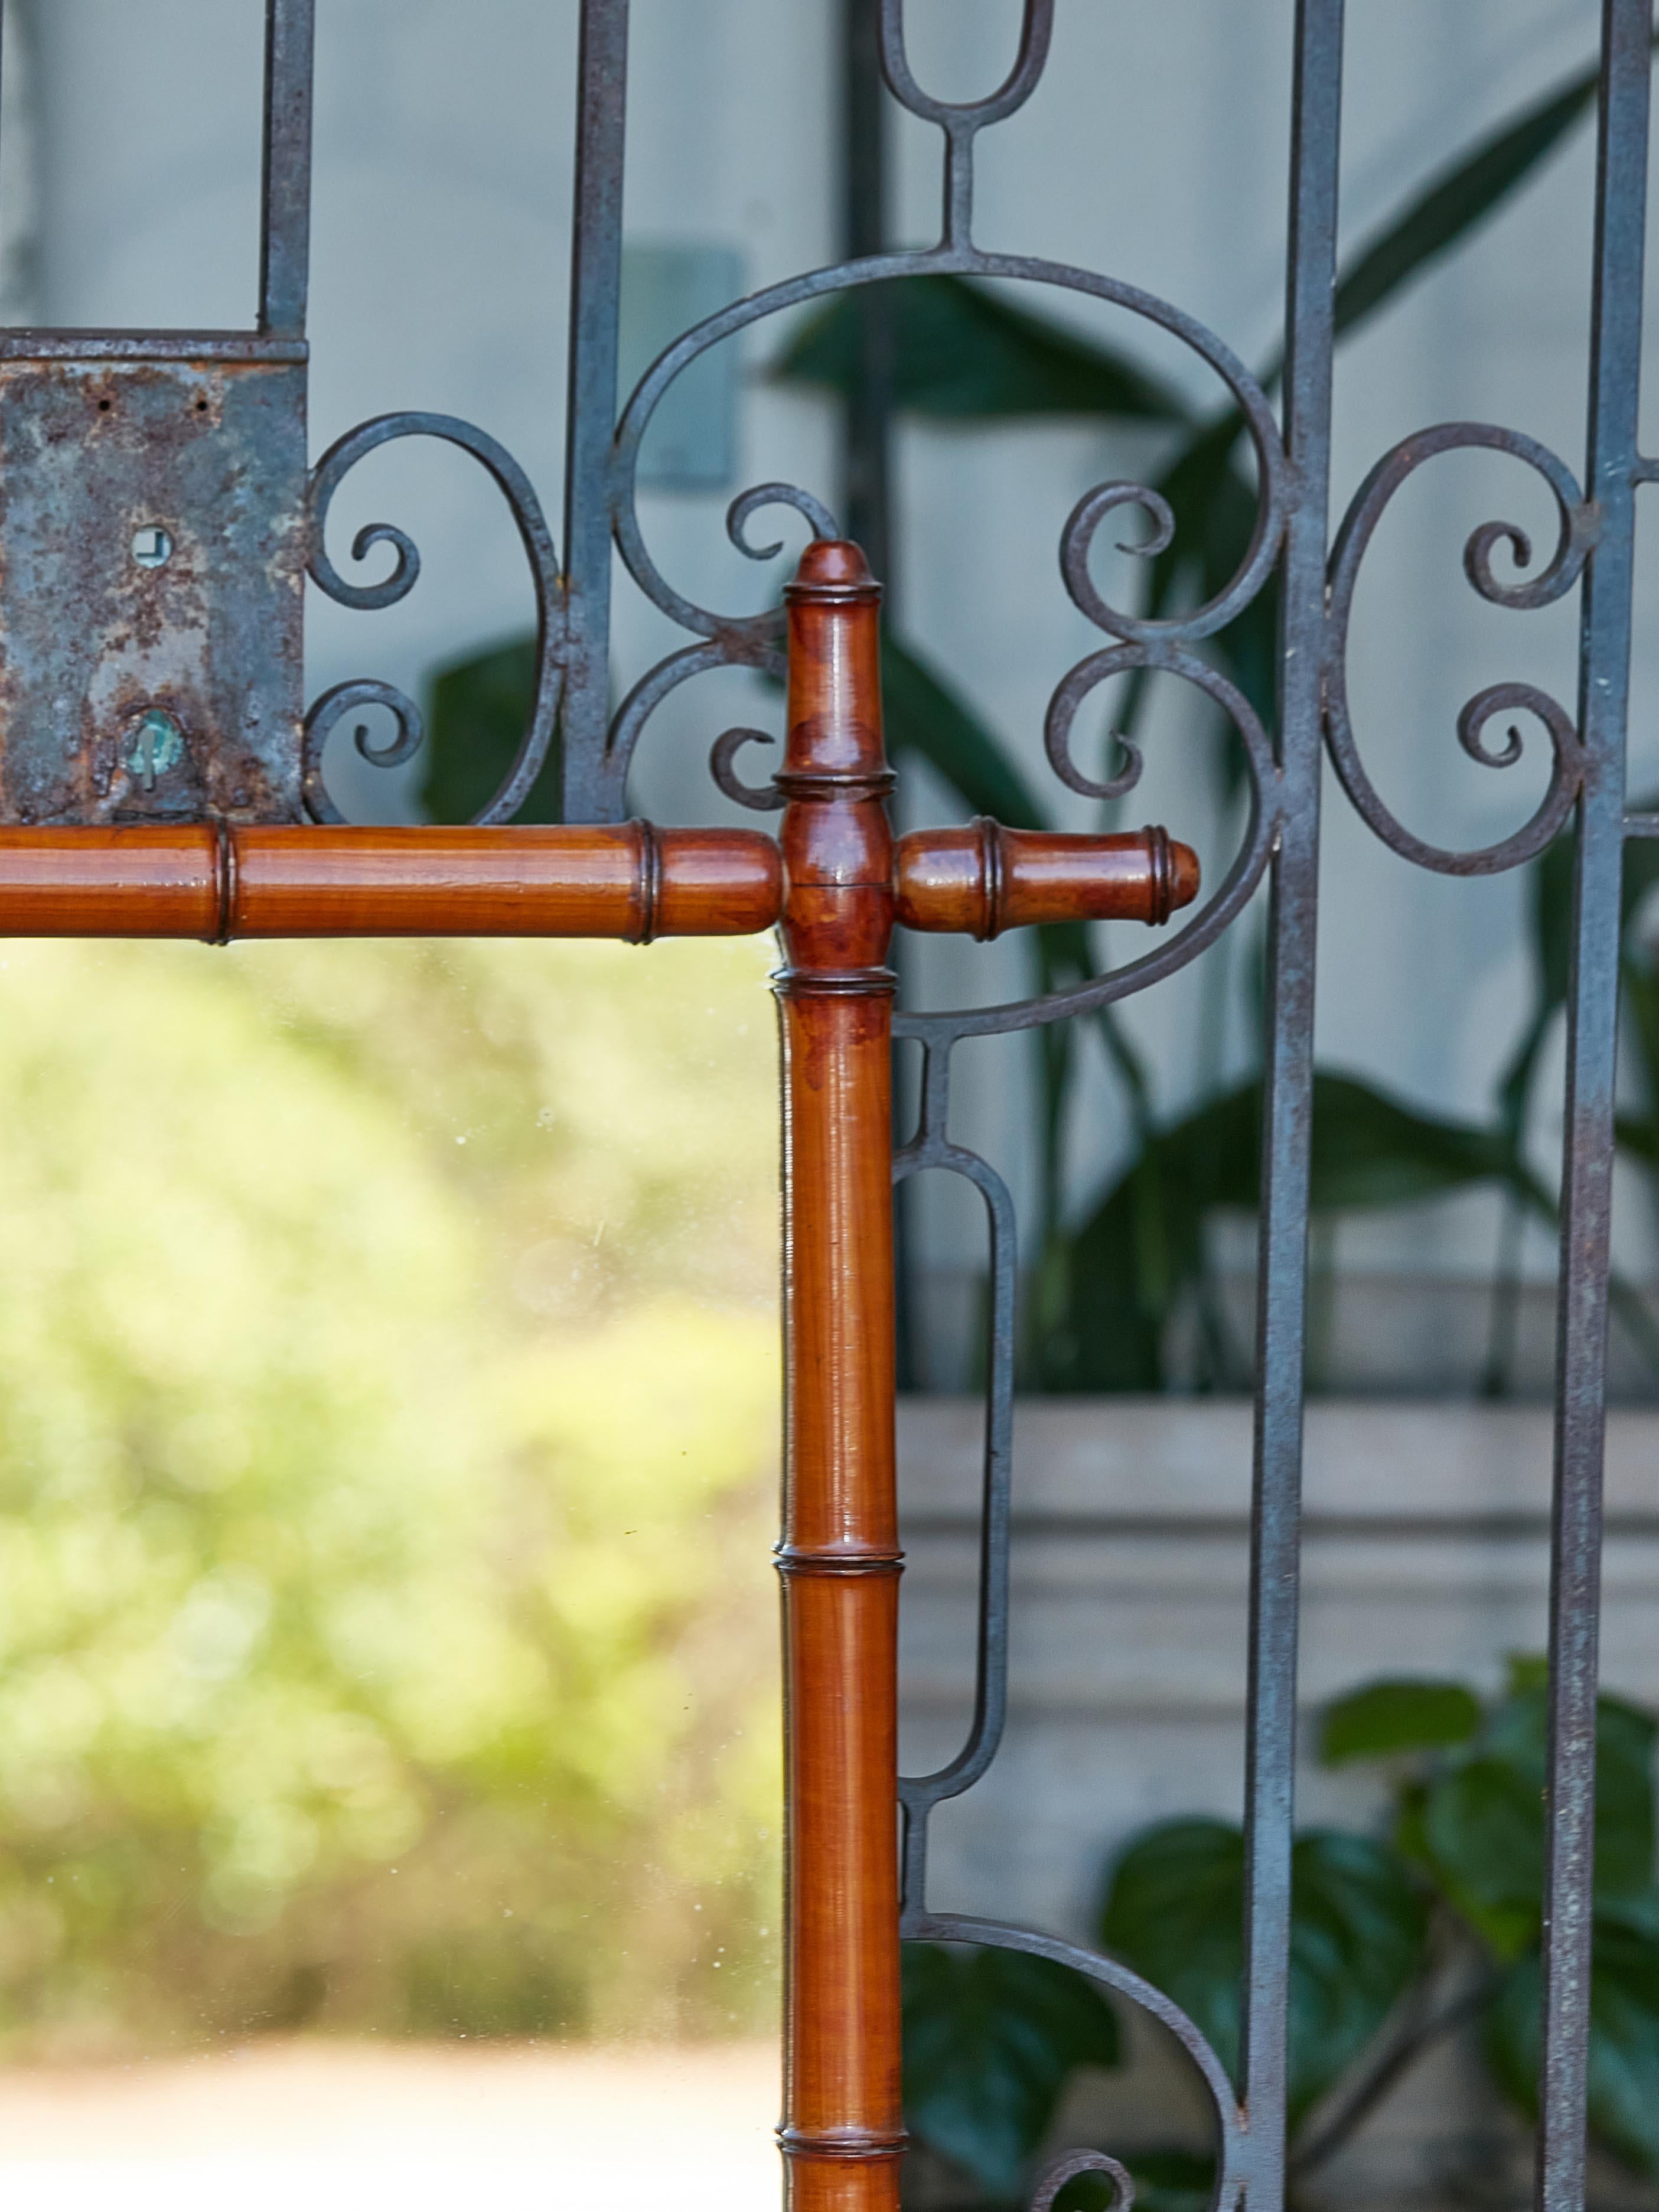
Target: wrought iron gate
(157,520)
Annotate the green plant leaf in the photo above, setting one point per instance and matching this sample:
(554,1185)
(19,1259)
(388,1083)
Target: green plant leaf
(477,710)
(1166,2180)
(1173,1912)
(1462,195)
(1384,1719)
(1143,1246)
(1370,1151)
(1477,1825)
(1170,2180)
(990,2039)
(1551,943)
(1518,1730)
(960,352)
(1479,1832)
(1358,1923)
(1624,2037)
(1639,1133)
(925,715)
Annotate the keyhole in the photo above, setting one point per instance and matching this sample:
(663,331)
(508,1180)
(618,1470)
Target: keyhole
(158,744)
(152,547)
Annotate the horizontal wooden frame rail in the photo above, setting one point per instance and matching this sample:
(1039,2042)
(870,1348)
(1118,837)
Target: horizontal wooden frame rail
(218,883)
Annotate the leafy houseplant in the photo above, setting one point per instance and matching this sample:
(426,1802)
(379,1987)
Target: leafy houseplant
(1106,1284)
(1396,1943)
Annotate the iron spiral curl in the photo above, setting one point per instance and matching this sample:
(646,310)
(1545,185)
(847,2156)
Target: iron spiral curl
(1095,1966)
(1577,525)
(1249,863)
(762,798)
(334,705)
(1070,2166)
(332,710)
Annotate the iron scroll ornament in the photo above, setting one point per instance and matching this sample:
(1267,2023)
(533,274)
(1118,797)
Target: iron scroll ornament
(344,699)
(1163,645)
(1579,526)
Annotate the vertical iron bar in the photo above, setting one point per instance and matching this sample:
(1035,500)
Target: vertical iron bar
(866,459)
(285,217)
(1288,1102)
(592,791)
(867,474)
(1592,1055)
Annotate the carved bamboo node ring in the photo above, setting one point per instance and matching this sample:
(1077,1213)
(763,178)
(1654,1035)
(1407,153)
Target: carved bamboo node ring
(832,783)
(790,1561)
(841,2143)
(647,881)
(225,875)
(802,983)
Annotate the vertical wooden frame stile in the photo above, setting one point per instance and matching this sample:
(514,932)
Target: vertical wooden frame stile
(842,2134)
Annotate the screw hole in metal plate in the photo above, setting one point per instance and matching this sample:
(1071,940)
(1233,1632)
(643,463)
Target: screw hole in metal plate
(157,745)
(152,546)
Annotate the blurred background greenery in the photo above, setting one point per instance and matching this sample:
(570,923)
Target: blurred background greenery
(387,1435)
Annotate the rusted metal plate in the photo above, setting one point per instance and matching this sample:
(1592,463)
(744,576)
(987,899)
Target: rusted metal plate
(152,568)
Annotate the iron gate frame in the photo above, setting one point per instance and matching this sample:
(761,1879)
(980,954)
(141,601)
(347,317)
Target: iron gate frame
(1317,574)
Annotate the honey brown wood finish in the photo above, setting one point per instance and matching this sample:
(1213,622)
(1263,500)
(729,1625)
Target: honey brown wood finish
(842,2133)
(984,879)
(217,883)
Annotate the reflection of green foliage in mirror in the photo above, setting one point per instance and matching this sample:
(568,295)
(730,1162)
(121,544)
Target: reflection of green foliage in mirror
(1175,1911)
(1473,1821)
(1396,1944)
(387,1398)
(477,709)
(1624,2045)
(961,353)
(1387,1718)
(1141,1250)
(990,2039)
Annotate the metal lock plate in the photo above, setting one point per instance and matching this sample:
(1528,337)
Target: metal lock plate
(151,572)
